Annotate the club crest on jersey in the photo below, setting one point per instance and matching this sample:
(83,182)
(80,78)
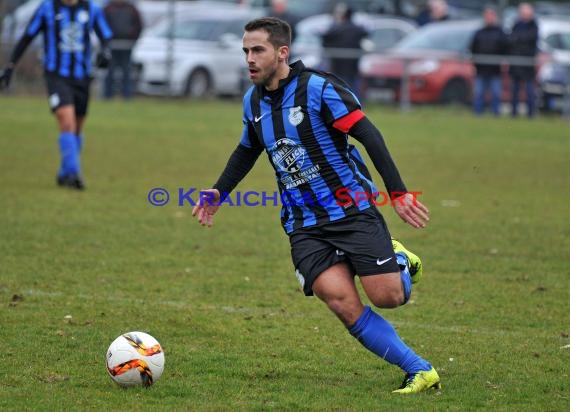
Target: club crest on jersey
(296,116)
(72,38)
(287,155)
(83,16)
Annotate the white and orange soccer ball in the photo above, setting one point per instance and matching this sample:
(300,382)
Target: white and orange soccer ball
(135,359)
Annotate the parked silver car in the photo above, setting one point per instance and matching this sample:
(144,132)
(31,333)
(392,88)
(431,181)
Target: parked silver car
(199,55)
(554,76)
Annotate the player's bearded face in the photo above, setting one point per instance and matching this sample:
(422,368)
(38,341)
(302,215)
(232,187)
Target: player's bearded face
(261,56)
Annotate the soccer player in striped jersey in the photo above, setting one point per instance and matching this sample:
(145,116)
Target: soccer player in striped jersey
(302,119)
(66,26)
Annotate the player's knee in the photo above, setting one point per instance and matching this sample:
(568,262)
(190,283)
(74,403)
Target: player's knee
(66,120)
(67,127)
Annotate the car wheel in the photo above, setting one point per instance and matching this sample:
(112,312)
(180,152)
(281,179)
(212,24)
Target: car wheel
(199,84)
(454,92)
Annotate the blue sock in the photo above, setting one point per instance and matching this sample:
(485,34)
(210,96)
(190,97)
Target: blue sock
(402,260)
(69,154)
(378,336)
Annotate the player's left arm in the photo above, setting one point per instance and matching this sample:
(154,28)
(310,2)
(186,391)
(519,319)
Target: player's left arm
(104,34)
(406,205)
(100,25)
(342,110)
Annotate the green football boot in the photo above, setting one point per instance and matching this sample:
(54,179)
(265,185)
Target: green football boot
(419,382)
(414,262)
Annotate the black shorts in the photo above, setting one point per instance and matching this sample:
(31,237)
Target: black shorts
(363,241)
(63,91)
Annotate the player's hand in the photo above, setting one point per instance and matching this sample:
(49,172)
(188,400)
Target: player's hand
(411,210)
(5,78)
(207,207)
(103,58)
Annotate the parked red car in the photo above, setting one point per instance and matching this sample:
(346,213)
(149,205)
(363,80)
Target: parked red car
(437,60)
(439,65)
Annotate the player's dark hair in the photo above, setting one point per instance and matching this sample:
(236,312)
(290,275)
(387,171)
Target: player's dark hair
(279,30)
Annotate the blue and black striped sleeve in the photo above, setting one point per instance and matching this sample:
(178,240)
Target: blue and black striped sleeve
(100,25)
(36,24)
(336,102)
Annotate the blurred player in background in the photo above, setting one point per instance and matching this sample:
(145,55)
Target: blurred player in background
(302,119)
(66,26)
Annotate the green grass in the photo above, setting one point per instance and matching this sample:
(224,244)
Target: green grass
(492,312)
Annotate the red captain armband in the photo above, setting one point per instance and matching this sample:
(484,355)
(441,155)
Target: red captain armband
(345,123)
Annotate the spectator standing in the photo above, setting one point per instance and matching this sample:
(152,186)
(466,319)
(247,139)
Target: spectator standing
(126,24)
(345,38)
(523,42)
(279,9)
(489,40)
(434,11)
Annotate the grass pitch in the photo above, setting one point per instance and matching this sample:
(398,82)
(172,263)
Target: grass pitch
(492,313)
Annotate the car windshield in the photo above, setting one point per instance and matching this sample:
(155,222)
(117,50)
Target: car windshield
(196,29)
(299,7)
(307,8)
(386,38)
(561,42)
(565,41)
(438,38)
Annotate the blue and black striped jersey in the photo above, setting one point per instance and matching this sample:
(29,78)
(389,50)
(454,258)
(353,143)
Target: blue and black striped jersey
(66,36)
(294,124)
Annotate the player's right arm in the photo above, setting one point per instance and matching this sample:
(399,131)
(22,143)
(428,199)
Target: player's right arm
(239,164)
(35,25)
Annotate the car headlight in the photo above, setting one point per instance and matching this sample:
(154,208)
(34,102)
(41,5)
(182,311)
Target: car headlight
(311,60)
(423,67)
(546,72)
(365,65)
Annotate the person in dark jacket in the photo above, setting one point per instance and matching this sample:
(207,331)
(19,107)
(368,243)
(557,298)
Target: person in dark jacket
(279,9)
(523,42)
(433,11)
(126,24)
(343,40)
(488,41)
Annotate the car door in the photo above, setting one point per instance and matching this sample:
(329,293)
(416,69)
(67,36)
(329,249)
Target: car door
(227,56)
